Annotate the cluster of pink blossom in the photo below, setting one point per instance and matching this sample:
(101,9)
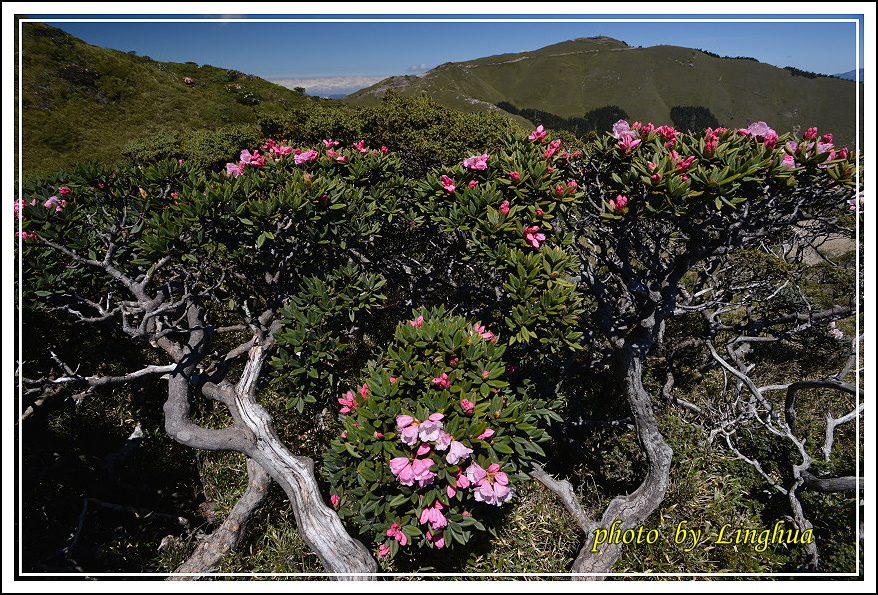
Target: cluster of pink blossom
(489,485)
(246,158)
(533,236)
(300,156)
(630,136)
(711,139)
(537,135)
(52,202)
(761,132)
(349,402)
(813,147)
(479,162)
(619,204)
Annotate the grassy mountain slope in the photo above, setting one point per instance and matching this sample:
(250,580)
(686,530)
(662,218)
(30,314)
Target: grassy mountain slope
(571,78)
(81,102)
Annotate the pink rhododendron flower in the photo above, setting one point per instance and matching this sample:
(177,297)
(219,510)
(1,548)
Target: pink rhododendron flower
(788,161)
(621,130)
(407,471)
(423,449)
(418,322)
(655,178)
(385,150)
(842,153)
(63,190)
(334,500)
(628,143)
(826,138)
(422,473)
(467,405)
(514,176)
(822,148)
(281,150)
(474,474)
(349,403)
(447,183)
(442,381)
(810,134)
(398,535)
(533,237)
(329,143)
(477,162)
(504,208)
(187,80)
(646,128)
(433,516)
(383,551)
(537,135)
(667,132)
(409,427)
(483,333)
(553,148)
(430,430)
(361,147)
(473,183)
(457,451)
(758,129)
(56,202)
(834,331)
(619,204)
(486,434)
(436,540)
(306,157)
(401,467)
(27,237)
(493,487)
(234,169)
(443,441)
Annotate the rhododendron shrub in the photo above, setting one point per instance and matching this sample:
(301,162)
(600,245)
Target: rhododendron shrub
(327,263)
(701,173)
(439,431)
(505,205)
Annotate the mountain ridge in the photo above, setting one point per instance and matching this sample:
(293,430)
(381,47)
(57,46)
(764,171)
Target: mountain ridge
(570,78)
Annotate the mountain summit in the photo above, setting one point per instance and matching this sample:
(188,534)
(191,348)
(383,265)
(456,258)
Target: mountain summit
(571,79)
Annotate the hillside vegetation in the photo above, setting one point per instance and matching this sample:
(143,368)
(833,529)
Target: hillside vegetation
(572,78)
(83,102)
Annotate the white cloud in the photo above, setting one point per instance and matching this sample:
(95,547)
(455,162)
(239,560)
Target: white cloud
(418,67)
(329,85)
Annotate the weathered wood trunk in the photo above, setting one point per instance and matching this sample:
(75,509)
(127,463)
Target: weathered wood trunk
(632,509)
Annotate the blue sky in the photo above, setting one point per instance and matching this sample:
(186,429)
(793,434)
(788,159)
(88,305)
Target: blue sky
(326,55)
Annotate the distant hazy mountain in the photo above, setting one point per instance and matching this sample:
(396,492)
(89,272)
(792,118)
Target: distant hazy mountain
(851,75)
(589,81)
